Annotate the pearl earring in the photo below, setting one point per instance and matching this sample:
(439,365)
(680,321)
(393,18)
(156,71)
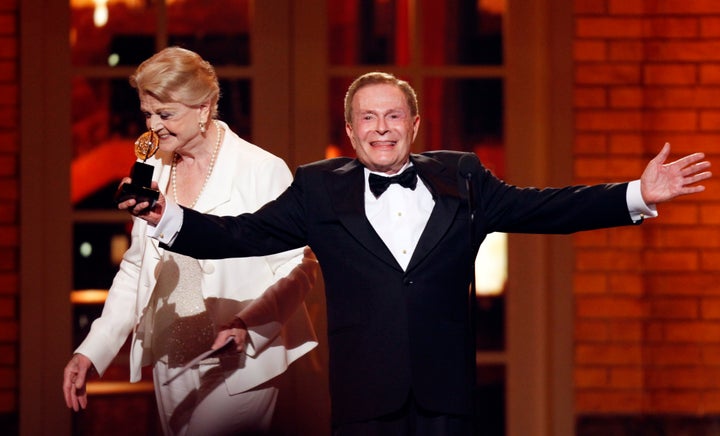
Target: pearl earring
(202,127)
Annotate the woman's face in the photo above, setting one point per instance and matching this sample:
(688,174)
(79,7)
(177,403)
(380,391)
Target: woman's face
(177,125)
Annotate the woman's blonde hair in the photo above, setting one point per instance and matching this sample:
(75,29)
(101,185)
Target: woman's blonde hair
(175,74)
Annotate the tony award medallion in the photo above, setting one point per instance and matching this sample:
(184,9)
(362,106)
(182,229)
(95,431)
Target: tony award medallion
(141,174)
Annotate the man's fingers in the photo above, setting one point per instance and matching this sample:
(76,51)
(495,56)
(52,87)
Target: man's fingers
(696,169)
(698,166)
(663,155)
(690,160)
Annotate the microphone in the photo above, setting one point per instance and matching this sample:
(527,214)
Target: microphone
(467,165)
(466,168)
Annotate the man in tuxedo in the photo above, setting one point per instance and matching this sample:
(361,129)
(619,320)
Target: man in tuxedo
(396,256)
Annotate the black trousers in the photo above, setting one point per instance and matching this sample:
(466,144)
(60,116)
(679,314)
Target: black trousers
(411,420)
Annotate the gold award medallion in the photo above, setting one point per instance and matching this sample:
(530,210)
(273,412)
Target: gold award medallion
(147,145)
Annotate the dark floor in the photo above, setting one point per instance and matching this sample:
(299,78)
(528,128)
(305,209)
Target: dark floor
(645,425)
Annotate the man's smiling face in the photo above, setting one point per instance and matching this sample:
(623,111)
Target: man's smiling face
(382,128)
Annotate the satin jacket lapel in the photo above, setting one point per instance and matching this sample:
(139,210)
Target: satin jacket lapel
(346,186)
(443,187)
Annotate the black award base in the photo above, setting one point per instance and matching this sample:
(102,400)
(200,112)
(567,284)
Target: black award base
(139,188)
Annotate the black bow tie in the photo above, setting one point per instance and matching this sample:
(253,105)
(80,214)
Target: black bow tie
(406,179)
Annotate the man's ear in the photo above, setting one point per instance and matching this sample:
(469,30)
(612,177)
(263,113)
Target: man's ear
(349,132)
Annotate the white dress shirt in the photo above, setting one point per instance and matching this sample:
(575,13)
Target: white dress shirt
(399,215)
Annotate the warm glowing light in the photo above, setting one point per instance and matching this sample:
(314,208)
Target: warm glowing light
(332,151)
(492,6)
(491,265)
(118,246)
(88,296)
(118,387)
(128,3)
(100,16)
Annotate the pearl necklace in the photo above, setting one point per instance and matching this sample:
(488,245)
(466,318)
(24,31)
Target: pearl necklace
(173,171)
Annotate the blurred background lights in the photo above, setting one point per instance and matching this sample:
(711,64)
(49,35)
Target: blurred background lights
(491,265)
(113,59)
(119,244)
(100,16)
(86,249)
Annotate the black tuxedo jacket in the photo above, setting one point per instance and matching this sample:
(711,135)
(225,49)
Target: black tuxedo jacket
(392,332)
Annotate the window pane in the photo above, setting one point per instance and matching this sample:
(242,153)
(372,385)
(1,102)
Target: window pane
(95,28)
(462,32)
(130,50)
(466,115)
(362,32)
(218,30)
(97,251)
(235,107)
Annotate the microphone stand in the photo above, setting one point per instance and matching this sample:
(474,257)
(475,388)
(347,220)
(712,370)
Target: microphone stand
(466,166)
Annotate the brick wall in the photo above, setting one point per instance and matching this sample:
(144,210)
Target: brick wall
(9,212)
(647,299)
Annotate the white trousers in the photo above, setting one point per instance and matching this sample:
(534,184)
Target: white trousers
(198,403)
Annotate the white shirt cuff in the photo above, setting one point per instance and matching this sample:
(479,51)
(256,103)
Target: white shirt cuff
(169,226)
(636,205)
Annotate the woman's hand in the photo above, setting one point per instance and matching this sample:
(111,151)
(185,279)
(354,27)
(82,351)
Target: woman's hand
(237,330)
(75,380)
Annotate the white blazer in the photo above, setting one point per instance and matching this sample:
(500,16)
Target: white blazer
(244,178)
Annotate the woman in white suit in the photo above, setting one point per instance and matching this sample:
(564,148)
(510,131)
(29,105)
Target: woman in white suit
(174,305)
